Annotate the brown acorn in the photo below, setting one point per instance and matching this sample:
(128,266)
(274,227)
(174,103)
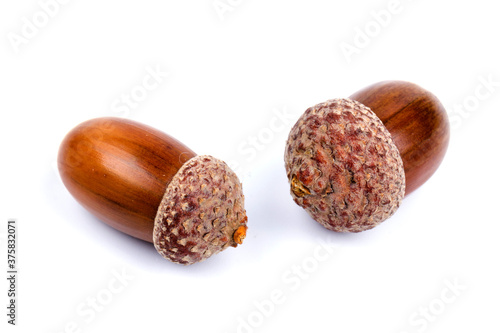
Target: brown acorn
(351,161)
(147,184)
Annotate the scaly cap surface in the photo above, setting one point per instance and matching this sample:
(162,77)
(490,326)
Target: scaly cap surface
(343,166)
(201,213)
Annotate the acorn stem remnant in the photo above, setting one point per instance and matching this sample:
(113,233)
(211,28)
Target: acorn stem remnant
(240,234)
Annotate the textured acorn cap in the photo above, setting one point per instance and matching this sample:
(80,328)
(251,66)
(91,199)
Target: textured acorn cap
(201,212)
(343,166)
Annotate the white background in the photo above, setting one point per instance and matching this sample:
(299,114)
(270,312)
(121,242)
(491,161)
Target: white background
(229,74)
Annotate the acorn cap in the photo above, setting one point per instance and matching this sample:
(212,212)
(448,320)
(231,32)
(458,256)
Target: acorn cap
(343,166)
(201,212)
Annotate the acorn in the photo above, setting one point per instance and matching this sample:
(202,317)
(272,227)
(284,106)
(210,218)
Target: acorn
(148,185)
(351,161)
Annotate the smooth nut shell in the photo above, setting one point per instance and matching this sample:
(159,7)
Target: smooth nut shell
(119,169)
(418,124)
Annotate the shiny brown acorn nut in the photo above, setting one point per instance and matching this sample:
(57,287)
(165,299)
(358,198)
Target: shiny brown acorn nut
(147,184)
(351,161)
